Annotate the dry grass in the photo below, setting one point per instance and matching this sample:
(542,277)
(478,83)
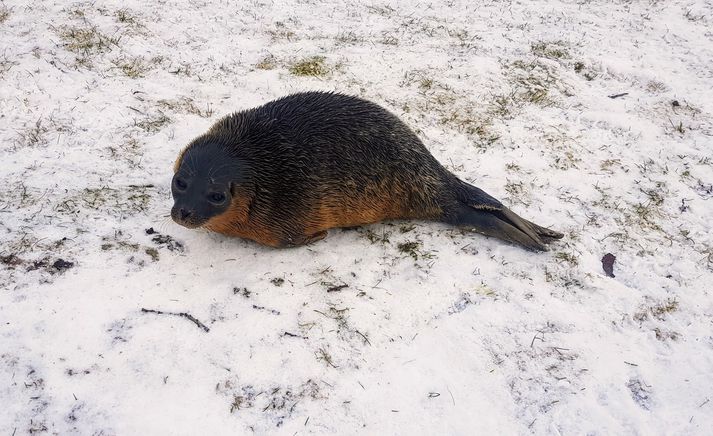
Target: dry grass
(125,16)
(35,135)
(414,249)
(311,66)
(112,201)
(658,310)
(4,13)
(267,63)
(133,68)
(281,32)
(86,40)
(550,50)
(6,64)
(186,105)
(153,123)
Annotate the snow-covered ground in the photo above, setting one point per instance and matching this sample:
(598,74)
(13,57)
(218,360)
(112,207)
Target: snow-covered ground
(397,328)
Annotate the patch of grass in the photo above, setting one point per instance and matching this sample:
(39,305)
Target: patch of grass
(389,39)
(129,151)
(35,135)
(512,167)
(425,83)
(281,32)
(184,69)
(690,16)
(502,105)
(517,191)
(678,127)
(76,13)
(464,37)
(536,96)
(568,258)
(383,10)
(6,64)
(186,105)
(665,335)
(414,249)
(374,237)
(406,228)
(550,50)
(608,164)
(267,63)
(532,83)
(153,253)
(567,279)
(658,310)
(132,67)
(645,215)
(310,66)
(125,16)
(113,201)
(565,160)
(324,355)
(655,87)
(86,40)
(471,124)
(4,13)
(242,291)
(348,38)
(153,123)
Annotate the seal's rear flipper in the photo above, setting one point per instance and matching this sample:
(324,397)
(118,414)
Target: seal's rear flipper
(484,214)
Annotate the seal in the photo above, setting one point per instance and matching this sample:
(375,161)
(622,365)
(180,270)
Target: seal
(284,173)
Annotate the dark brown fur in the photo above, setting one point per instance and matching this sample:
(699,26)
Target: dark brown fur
(310,162)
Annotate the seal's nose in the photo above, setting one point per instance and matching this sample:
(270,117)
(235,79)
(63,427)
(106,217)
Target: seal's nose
(183,213)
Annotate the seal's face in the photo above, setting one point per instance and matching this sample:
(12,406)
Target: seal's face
(201,186)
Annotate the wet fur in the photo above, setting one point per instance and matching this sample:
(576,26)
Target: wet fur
(315,161)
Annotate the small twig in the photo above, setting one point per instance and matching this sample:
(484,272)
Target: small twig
(183,314)
(451,393)
(337,288)
(539,332)
(362,335)
(292,335)
(134,109)
(613,96)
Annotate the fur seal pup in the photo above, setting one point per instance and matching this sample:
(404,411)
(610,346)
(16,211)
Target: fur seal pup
(284,173)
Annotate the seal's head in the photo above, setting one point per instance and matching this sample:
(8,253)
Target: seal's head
(202,182)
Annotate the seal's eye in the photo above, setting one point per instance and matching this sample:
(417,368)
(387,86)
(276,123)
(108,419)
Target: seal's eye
(216,197)
(180,184)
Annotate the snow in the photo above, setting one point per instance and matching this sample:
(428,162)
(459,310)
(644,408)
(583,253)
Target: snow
(465,334)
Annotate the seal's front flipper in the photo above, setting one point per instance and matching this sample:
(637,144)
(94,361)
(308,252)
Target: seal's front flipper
(297,241)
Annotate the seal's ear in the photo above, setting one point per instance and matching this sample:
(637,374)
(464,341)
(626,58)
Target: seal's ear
(177,164)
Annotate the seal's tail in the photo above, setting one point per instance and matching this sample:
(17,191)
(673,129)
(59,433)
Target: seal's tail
(484,214)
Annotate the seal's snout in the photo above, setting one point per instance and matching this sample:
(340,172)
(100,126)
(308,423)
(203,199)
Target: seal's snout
(184,217)
(183,214)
